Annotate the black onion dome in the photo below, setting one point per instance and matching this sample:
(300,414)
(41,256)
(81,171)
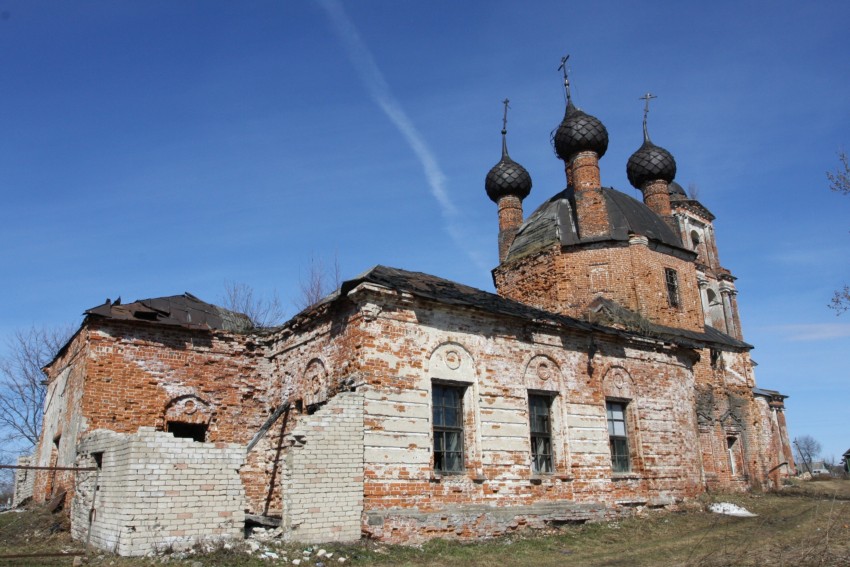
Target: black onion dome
(649,163)
(507,178)
(579,132)
(676,191)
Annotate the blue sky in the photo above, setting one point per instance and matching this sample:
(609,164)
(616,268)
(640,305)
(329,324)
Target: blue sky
(151,148)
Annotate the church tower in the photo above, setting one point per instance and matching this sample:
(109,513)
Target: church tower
(591,249)
(507,184)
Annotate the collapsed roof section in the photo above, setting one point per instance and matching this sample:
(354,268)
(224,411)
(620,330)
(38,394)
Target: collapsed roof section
(182,310)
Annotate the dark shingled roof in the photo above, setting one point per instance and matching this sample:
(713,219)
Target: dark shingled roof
(768,393)
(452,293)
(183,310)
(554,221)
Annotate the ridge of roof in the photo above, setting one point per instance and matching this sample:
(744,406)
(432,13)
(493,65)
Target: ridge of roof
(452,293)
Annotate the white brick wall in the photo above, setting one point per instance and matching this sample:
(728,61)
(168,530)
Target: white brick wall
(323,473)
(157,492)
(23,481)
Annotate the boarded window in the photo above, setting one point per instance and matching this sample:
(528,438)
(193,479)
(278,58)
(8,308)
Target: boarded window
(540,416)
(617,436)
(448,428)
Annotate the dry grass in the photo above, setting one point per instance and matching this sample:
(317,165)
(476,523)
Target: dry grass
(806,524)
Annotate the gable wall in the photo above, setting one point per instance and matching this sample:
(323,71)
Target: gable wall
(121,376)
(63,421)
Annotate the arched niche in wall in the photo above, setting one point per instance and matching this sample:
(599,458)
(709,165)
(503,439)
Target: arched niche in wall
(452,362)
(542,373)
(618,383)
(188,416)
(451,373)
(316,386)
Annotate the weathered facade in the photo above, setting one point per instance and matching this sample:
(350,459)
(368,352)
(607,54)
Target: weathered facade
(609,371)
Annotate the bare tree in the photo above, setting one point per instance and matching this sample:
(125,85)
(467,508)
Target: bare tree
(318,282)
(262,311)
(22,386)
(808,449)
(693,191)
(839,181)
(840,301)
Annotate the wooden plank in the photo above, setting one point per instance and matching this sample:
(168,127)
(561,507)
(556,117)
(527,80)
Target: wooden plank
(267,425)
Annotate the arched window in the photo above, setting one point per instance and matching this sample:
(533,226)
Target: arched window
(695,240)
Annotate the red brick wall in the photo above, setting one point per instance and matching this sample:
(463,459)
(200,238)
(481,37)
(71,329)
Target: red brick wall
(62,420)
(412,346)
(566,281)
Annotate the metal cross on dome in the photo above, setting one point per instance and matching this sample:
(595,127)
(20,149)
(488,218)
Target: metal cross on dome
(563,67)
(505,117)
(647,97)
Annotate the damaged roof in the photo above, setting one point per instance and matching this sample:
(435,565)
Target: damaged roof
(182,310)
(554,221)
(451,293)
(768,393)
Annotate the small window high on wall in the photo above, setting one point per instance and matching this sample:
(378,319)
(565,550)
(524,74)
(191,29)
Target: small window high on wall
(448,428)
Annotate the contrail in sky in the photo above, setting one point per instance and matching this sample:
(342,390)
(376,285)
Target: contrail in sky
(379,90)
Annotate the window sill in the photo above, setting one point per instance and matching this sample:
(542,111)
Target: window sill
(539,478)
(439,476)
(625,476)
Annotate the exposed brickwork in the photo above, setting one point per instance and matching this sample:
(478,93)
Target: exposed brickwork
(583,175)
(355,451)
(405,501)
(121,376)
(63,421)
(156,492)
(566,281)
(510,219)
(24,482)
(323,478)
(656,195)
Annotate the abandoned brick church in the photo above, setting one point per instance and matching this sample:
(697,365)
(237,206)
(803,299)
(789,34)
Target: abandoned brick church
(608,371)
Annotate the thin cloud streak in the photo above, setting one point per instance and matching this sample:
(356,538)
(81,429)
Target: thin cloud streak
(379,90)
(814,331)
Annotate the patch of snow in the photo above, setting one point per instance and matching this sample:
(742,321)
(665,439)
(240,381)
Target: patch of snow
(730,509)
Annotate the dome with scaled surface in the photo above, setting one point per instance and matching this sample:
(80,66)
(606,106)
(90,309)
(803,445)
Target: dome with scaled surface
(579,132)
(649,163)
(507,177)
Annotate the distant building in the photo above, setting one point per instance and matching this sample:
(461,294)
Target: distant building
(609,371)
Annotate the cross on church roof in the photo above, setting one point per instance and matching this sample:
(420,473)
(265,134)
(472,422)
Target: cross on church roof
(505,117)
(563,67)
(647,97)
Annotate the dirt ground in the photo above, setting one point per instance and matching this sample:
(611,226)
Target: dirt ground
(807,523)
